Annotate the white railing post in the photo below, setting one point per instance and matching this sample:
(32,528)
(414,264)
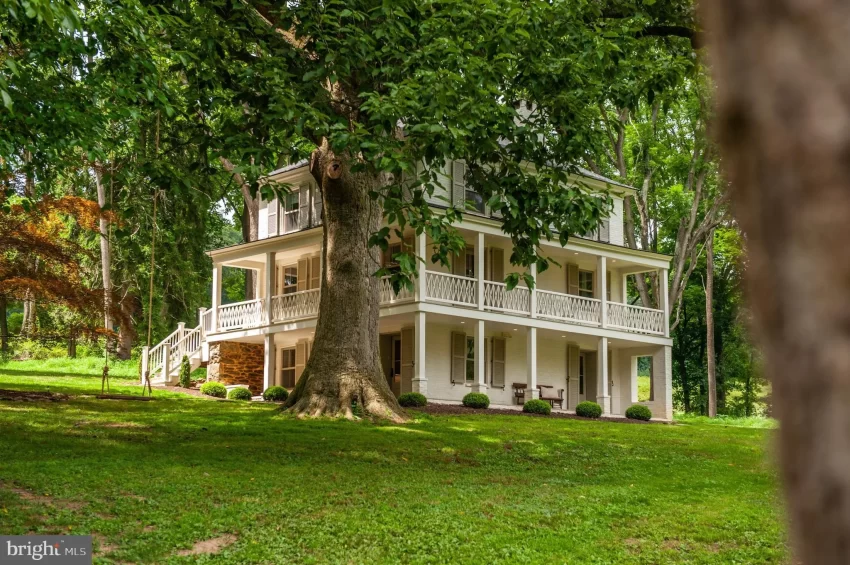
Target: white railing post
(166,360)
(421,244)
(663,298)
(201,313)
(533,301)
(181,330)
(216,296)
(602,285)
(145,361)
(269,274)
(479,269)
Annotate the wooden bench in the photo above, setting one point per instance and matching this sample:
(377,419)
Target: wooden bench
(547,393)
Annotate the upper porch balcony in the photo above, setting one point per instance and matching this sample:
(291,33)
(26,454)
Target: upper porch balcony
(588,287)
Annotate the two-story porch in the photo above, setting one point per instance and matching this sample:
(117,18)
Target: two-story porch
(460,329)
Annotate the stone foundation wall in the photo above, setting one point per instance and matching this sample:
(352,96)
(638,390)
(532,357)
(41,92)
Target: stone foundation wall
(236,363)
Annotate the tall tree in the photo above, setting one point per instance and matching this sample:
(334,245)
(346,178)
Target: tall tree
(709,325)
(783,121)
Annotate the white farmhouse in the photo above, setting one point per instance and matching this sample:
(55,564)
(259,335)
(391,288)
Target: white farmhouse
(574,337)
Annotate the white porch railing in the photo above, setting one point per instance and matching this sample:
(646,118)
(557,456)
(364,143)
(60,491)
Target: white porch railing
(388,295)
(569,307)
(635,318)
(296,305)
(239,315)
(498,297)
(188,346)
(206,321)
(452,289)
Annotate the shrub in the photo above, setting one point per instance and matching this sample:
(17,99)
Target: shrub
(213,388)
(239,393)
(476,400)
(275,394)
(537,406)
(185,371)
(588,409)
(412,400)
(639,412)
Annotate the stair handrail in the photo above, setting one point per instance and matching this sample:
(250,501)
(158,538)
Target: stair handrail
(178,350)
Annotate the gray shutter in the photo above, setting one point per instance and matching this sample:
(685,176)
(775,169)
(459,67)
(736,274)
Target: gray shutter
(572,279)
(497,264)
(304,207)
(604,231)
(316,219)
(572,376)
(608,286)
(499,359)
(458,358)
(459,263)
(303,275)
(272,210)
(458,185)
(407,360)
(300,359)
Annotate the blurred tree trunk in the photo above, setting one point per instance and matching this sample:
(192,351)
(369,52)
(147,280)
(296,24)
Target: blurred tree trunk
(709,325)
(250,220)
(782,69)
(4,326)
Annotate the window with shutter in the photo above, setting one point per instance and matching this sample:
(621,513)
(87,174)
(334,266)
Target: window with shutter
(604,231)
(290,211)
(458,358)
(300,359)
(316,219)
(499,353)
(585,284)
(272,216)
(459,262)
(290,279)
(573,370)
(470,358)
(497,264)
(303,279)
(287,367)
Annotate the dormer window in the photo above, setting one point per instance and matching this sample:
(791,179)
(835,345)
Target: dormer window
(290,212)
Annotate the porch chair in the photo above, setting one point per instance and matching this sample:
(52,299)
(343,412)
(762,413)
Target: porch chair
(519,392)
(547,393)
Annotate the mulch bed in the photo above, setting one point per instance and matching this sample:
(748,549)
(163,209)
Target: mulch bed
(31,396)
(458,409)
(193,391)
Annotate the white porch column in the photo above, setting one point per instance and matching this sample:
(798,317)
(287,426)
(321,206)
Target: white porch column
(479,384)
(625,293)
(533,294)
(216,296)
(663,300)
(479,268)
(420,379)
(603,396)
(269,359)
(531,390)
(602,285)
(166,361)
(421,244)
(268,284)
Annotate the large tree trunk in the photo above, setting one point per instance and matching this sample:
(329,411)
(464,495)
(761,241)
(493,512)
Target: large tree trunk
(105,260)
(783,76)
(4,327)
(344,366)
(709,325)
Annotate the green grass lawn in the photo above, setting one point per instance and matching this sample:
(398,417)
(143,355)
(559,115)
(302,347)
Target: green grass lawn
(151,479)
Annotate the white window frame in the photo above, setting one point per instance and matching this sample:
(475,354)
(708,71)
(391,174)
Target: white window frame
(584,292)
(292,287)
(290,198)
(284,369)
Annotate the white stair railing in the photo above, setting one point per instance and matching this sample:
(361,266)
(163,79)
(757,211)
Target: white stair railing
(452,289)
(188,346)
(635,318)
(241,315)
(294,306)
(498,297)
(569,307)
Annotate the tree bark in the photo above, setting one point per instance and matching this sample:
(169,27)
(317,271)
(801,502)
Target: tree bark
(784,126)
(4,326)
(105,260)
(344,365)
(250,220)
(709,325)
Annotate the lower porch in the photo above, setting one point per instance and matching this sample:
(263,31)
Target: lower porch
(445,357)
